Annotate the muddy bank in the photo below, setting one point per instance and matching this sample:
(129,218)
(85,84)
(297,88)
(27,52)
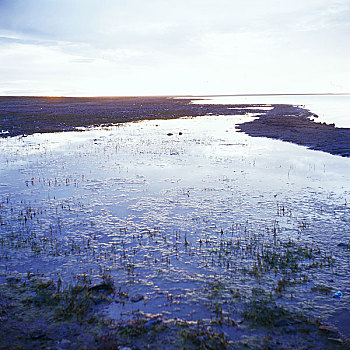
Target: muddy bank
(28,115)
(35,313)
(297,125)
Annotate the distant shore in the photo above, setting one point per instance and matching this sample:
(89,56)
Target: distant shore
(29,115)
(299,126)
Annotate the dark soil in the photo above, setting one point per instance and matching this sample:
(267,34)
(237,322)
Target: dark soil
(297,125)
(28,115)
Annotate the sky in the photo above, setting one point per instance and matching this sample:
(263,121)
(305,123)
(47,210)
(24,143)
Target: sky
(173,47)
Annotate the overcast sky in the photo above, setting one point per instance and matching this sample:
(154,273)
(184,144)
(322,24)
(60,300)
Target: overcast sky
(162,47)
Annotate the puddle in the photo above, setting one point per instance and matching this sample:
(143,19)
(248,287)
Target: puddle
(172,209)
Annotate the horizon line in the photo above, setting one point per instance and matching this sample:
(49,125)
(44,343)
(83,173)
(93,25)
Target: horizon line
(185,95)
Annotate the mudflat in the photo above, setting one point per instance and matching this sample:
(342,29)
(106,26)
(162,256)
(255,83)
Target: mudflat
(300,126)
(28,115)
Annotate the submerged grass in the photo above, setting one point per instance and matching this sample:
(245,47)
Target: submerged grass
(244,277)
(264,311)
(34,314)
(277,266)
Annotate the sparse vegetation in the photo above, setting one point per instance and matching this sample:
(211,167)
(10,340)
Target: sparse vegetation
(197,261)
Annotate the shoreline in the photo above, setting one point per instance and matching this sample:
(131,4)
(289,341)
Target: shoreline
(21,116)
(29,115)
(299,126)
(35,312)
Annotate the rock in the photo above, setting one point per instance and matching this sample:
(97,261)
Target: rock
(336,340)
(327,328)
(180,133)
(137,298)
(43,283)
(107,285)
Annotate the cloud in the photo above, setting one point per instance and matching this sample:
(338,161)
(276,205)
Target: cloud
(82,60)
(73,43)
(173,27)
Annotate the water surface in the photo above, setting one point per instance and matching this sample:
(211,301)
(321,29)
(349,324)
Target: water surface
(161,205)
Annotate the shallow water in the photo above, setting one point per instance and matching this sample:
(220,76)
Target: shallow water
(161,213)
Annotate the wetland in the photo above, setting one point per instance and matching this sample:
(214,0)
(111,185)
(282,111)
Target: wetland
(172,224)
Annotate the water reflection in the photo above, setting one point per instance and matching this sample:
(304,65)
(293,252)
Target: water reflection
(160,204)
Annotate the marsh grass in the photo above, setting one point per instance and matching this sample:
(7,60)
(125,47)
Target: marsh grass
(234,271)
(264,311)
(288,262)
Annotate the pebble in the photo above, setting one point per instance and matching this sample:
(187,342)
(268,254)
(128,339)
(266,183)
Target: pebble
(137,298)
(336,340)
(107,285)
(327,328)
(344,245)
